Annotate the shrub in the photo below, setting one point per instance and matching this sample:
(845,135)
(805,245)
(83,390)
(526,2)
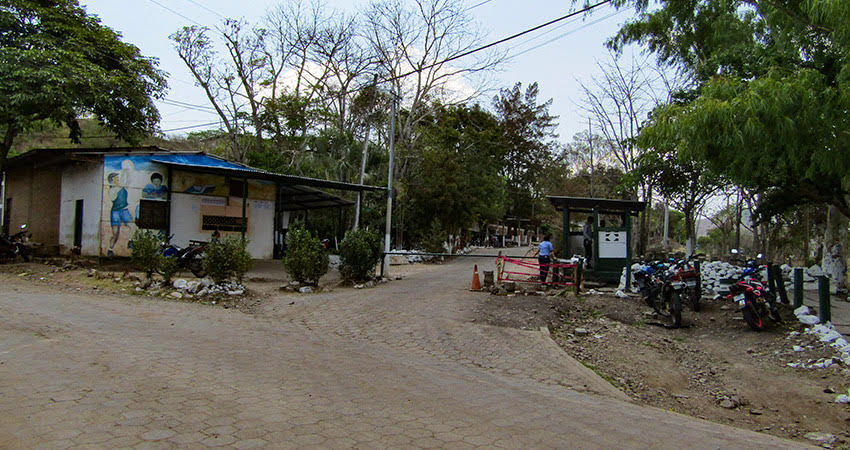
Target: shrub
(305,260)
(167,267)
(359,252)
(226,258)
(435,238)
(144,247)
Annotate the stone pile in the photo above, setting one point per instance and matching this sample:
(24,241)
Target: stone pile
(204,287)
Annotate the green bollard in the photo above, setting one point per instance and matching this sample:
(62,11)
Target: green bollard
(578,276)
(798,287)
(823,295)
(780,284)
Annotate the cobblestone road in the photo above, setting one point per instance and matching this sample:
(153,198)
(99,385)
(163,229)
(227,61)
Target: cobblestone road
(396,366)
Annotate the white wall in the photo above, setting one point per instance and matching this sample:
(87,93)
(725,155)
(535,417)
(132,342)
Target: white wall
(81,181)
(186,221)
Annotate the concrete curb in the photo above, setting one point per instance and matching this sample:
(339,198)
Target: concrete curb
(584,375)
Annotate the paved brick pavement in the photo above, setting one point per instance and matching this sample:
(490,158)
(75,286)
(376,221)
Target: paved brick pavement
(396,366)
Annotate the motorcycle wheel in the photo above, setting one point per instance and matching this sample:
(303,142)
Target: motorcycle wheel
(196,265)
(752,317)
(676,310)
(695,298)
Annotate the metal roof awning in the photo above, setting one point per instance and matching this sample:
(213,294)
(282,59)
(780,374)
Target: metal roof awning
(602,205)
(299,198)
(255,174)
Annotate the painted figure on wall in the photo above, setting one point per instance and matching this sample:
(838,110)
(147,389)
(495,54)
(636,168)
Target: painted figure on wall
(127,180)
(155,190)
(119,214)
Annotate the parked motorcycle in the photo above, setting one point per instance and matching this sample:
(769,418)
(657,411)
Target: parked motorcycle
(749,294)
(687,280)
(190,257)
(660,293)
(13,246)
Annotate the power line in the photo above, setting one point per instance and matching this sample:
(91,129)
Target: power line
(191,126)
(500,41)
(565,34)
(174,12)
(478,4)
(187,105)
(208,9)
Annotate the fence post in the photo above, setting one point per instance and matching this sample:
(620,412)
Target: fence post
(798,287)
(780,284)
(578,275)
(771,279)
(823,295)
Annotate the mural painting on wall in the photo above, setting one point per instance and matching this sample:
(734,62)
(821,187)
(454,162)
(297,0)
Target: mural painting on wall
(200,183)
(127,181)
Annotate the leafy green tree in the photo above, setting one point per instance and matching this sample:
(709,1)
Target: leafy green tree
(528,136)
(144,246)
(458,180)
(58,64)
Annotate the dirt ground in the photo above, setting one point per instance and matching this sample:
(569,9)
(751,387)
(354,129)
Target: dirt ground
(713,368)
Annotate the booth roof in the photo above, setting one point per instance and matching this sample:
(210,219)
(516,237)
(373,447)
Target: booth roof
(586,204)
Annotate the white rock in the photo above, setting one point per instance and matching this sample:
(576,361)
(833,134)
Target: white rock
(802,311)
(843,398)
(193,286)
(797,348)
(306,290)
(179,283)
(817,436)
(359,286)
(176,295)
(808,320)
(839,343)
(794,365)
(236,292)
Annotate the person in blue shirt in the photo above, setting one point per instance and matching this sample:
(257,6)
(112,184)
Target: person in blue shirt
(545,253)
(119,214)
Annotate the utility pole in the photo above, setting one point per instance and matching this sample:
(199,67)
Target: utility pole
(362,175)
(592,167)
(666,223)
(365,150)
(390,187)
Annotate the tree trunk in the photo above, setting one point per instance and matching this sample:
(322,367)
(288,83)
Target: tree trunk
(643,238)
(834,248)
(690,244)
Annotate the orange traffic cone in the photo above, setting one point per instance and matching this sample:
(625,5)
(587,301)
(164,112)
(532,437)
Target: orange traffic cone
(476,283)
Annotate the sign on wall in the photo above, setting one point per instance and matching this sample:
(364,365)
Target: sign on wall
(612,244)
(135,191)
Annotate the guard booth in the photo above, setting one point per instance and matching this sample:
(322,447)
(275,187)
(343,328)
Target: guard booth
(612,233)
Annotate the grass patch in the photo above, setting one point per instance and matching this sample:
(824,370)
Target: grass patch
(605,377)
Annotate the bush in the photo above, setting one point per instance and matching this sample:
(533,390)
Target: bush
(145,246)
(226,258)
(359,252)
(167,267)
(305,260)
(435,238)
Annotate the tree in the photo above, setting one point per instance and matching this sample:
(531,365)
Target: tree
(457,183)
(528,135)
(770,108)
(59,64)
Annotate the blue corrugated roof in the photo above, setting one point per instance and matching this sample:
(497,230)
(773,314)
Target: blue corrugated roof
(201,161)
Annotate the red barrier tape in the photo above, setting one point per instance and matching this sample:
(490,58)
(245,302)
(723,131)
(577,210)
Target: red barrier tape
(562,274)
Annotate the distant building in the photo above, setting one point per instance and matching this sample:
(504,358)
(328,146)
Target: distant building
(92,200)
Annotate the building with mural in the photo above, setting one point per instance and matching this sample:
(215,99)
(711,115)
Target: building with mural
(91,201)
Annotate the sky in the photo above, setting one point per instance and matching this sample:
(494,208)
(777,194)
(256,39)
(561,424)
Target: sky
(558,58)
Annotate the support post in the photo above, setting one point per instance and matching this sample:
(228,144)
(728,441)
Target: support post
(823,295)
(798,287)
(565,235)
(578,275)
(244,206)
(628,250)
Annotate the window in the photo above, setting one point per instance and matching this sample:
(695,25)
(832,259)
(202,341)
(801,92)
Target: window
(222,223)
(153,214)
